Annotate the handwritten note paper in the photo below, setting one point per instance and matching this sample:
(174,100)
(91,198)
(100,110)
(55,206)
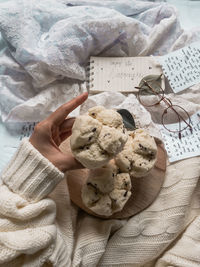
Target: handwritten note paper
(189,144)
(120,74)
(27,129)
(182,67)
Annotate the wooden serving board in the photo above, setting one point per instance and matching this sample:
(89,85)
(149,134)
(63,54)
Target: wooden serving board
(144,189)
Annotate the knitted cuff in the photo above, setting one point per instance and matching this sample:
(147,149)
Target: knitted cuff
(29,174)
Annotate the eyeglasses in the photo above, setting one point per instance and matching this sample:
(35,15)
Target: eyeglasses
(148,96)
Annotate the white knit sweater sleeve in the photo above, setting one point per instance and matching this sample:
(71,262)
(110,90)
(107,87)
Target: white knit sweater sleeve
(27,216)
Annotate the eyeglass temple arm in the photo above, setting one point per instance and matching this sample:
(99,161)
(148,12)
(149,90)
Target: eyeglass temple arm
(150,87)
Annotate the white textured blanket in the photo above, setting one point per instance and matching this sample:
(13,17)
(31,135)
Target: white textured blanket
(46,45)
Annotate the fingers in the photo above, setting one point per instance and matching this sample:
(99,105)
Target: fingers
(66,125)
(64,136)
(61,113)
(65,129)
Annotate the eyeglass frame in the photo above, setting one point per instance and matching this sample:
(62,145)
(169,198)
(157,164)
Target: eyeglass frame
(168,102)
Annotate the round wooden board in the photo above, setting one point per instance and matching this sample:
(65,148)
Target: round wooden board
(144,190)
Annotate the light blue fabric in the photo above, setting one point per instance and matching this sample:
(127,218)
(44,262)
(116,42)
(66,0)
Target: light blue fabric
(10,135)
(188,12)
(8,144)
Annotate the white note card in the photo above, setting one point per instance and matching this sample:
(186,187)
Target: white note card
(182,67)
(189,144)
(121,74)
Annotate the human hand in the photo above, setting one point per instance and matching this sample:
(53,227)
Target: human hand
(51,132)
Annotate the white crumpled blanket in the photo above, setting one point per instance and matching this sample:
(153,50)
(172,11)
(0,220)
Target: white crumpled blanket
(45,48)
(48,43)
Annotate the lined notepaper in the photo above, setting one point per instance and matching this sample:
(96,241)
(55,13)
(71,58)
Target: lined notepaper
(120,74)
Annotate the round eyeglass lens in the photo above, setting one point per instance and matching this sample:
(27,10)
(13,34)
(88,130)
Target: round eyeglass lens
(176,119)
(149,98)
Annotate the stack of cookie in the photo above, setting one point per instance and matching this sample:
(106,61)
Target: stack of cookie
(113,155)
